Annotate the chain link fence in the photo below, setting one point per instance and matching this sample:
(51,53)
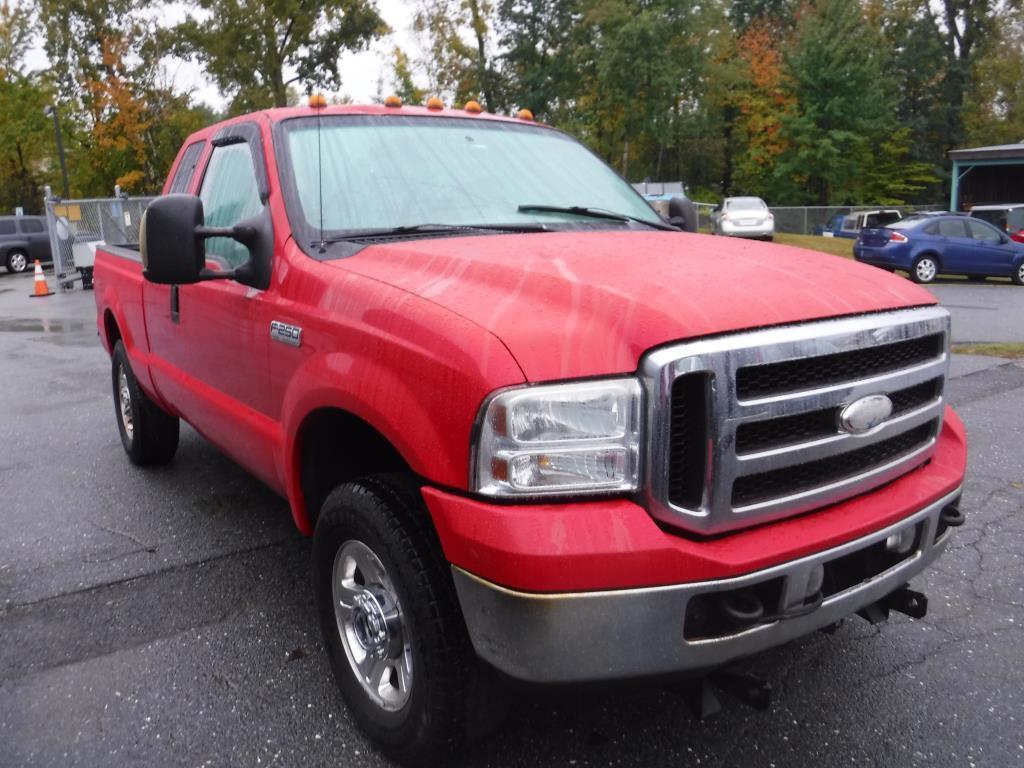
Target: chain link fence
(812,219)
(77,226)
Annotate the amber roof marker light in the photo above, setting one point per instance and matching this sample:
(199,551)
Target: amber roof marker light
(317,101)
(392,101)
(473,107)
(434,103)
(525,114)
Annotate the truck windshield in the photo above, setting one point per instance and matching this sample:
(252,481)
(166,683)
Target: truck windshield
(382,172)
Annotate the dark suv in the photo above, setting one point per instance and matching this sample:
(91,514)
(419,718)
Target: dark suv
(22,240)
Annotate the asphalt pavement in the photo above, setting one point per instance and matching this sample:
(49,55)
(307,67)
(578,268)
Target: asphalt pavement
(165,616)
(983,312)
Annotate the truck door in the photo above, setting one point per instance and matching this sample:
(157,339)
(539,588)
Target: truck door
(209,341)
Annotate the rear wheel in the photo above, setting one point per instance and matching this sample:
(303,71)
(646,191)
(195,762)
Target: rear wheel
(148,433)
(925,269)
(1018,274)
(391,622)
(17,261)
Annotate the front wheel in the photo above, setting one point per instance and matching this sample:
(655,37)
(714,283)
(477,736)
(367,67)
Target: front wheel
(1018,274)
(17,261)
(391,621)
(148,433)
(924,270)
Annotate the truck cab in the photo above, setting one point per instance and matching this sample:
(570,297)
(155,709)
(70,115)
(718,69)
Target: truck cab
(536,432)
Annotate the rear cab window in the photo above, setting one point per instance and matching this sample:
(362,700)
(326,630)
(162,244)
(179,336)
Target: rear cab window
(186,168)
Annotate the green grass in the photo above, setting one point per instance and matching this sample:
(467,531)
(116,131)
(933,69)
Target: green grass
(837,246)
(1012,350)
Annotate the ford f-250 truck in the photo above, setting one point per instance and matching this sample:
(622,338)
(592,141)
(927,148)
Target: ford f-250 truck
(531,427)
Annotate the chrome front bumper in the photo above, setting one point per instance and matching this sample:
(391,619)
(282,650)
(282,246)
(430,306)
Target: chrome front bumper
(622,634)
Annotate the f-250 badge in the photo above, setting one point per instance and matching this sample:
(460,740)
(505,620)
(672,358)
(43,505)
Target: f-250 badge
(286,334)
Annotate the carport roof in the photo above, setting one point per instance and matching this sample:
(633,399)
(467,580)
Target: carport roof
(998,152)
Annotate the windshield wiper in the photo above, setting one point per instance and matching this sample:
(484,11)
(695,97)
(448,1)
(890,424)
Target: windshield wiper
(429,229)
(594,213)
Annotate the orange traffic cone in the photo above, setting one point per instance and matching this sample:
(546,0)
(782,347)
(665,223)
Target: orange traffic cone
(42,289)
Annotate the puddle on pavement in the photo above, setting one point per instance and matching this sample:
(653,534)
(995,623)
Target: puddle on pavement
(26,325)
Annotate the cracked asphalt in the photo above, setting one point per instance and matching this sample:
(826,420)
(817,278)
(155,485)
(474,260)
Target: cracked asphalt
(164,617)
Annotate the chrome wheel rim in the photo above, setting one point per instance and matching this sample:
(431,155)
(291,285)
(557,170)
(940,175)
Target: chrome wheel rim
(372,626)
(18,262)
(124,396)
(1020,273)
(925,270)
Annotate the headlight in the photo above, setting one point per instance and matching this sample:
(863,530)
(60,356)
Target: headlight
(559,439)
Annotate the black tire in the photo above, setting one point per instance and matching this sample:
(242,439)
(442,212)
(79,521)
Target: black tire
(445,700)
(1017,276)
(16,261)
(151,437)
(920,273)
(769,238)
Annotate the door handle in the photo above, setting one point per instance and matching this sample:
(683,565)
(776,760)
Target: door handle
(175,306)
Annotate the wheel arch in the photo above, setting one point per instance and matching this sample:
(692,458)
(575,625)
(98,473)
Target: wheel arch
(332,446)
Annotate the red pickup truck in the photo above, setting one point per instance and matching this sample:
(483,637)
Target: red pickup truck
(532,427)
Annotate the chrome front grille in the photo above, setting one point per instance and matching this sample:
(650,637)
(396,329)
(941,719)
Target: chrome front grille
(745,427)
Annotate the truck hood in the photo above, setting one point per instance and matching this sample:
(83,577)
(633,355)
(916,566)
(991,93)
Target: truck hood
(570,304)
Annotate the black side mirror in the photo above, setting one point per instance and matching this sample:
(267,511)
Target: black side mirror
(682,213)
(173,252)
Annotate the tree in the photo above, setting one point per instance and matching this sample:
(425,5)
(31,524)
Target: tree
(994,108)
(457,62)
(26,135)
(255,49)
(402,79)
(834,76)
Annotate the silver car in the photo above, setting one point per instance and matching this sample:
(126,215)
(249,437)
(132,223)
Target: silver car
(743,217)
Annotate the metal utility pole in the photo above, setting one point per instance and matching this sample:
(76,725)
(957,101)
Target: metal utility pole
(51,111)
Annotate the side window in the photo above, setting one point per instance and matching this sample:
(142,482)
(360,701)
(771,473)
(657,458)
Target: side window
(230,194)
(187,166)
(850,224)
(951,228)
(981,232)
(31,226)
(932,229)
(1015,219)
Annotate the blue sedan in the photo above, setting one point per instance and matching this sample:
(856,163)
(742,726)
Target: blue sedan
(926,246)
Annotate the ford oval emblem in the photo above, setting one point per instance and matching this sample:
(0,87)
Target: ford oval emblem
(865,414)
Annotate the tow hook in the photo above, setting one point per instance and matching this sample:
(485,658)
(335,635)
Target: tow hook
(952,516)
(903,600)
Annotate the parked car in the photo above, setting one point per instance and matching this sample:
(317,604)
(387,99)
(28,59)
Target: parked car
(832,226)
(853,223)
(23,239)
(531,427)
(1009,218)
(743,217)
(926,246)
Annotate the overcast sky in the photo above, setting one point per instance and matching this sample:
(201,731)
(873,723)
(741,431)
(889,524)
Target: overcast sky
(359,71)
